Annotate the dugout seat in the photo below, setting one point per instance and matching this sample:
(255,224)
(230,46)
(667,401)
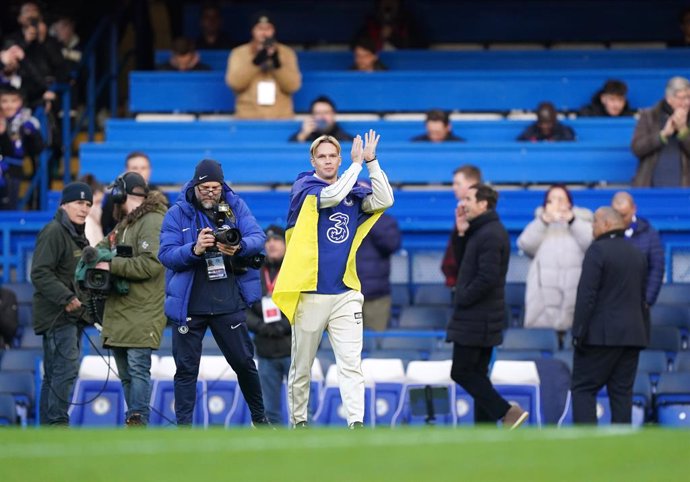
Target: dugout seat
(98,399)
(673,399)
(388,377)
(163,396)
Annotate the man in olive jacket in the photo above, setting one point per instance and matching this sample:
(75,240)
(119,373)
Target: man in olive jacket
(133,323)
(57,308)
(476,327)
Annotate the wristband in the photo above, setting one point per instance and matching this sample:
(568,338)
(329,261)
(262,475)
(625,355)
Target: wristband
(372,160)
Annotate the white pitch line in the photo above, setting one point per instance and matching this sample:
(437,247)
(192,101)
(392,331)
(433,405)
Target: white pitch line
(316,440)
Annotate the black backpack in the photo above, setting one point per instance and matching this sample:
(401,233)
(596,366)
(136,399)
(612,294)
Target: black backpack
(9,317)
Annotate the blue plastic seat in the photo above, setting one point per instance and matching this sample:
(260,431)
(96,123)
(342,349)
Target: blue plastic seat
(21,359)
(432,294)
(682,362)
(542,339)
(424,317)
(504,354)
(673,315)
(673,399)
(673,294)
(8,410)
(22,386)
(666,338)
(653,363)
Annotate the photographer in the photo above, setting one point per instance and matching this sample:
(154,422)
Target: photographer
(263,74)
(209,244)
(57,304)
(133,322)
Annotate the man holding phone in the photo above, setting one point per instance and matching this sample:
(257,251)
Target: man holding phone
(320,122)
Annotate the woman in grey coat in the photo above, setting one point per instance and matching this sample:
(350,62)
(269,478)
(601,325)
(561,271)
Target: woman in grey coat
(556,241)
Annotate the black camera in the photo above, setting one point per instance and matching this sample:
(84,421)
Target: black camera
(97,280)
(227,235)
(269,42)
(242,264)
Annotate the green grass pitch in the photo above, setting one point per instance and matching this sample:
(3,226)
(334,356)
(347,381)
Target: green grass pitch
(331,455)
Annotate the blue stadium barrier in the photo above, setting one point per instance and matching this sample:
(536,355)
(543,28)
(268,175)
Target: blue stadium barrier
(611,131)
(458,59)
(509,162)
(478,90)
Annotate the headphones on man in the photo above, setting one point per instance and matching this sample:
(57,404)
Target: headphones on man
(118,190)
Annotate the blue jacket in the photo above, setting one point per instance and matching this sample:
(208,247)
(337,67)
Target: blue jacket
(647,240)
(178,236)
(374,257)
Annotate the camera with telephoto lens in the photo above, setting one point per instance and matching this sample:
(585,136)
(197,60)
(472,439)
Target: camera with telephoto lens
(227,235)
(242,264)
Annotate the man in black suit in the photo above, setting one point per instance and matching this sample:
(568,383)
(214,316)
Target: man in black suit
(610,326)
(479,305)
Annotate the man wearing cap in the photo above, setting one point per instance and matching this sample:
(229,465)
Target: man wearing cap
(57,303)
(271,328)
(263,74)
(133,322)
(208,283)
(318,288)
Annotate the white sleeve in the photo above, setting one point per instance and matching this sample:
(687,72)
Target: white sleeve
(332,195)
(382,192)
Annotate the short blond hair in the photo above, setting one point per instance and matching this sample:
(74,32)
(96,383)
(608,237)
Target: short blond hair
(324,140)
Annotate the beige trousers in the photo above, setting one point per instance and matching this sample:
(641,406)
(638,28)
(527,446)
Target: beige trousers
(337,315)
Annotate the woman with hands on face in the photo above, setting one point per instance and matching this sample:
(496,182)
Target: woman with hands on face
(556,240)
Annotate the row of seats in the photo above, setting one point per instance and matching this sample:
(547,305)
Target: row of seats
(233,132)
(397,60)
(473,91)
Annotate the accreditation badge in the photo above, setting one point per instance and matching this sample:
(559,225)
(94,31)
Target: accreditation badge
(215,266)
(270,310)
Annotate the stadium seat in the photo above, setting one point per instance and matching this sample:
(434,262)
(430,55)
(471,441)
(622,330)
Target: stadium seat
(519,383)
(424,317)
(642,399)
(30,339)
(566,356)
(21,386)
(8,410)
(433,294)
(673,315)
(406,355)
(98,398)
(653,363)
(401,341)
(542,339)
(21,360)
(163,396)
(400,294)
(674,294)
(666,338)
(331,411)
(682,362)
(673,399)
(388,377)
(517,355)
(431,374)
(223,396)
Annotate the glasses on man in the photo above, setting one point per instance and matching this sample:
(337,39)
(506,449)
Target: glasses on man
(210,190)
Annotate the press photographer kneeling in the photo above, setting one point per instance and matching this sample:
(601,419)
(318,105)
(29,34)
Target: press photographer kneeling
(133,318)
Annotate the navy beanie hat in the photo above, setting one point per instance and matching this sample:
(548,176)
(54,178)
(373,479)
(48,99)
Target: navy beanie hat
(208,170)
(76,191)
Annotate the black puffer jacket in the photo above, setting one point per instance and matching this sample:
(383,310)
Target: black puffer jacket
(479,304)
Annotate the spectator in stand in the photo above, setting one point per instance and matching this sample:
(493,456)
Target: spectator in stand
(135,161)
(556,241)
(392,27)
(93,229)
(20,136)
(463,177)
(272,330)
(320,122)
(43,63)
(366,57)
(63,29)
(183,58)
(212,36)
(547,127)
(9,67)
(263,74)
(641,234)
(610,101)
(438,128)
(661,140)
(374,270)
